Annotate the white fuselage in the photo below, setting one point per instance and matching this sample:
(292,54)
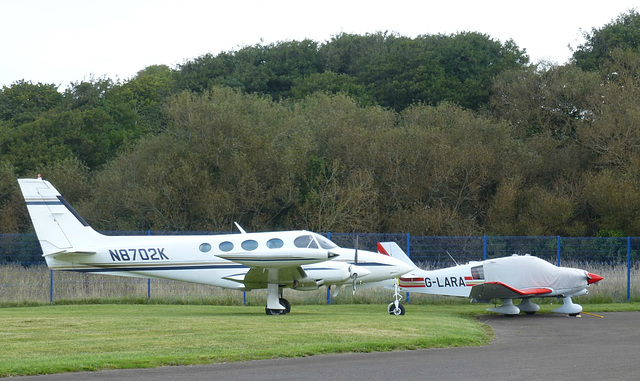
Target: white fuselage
(517,273)
(200,259)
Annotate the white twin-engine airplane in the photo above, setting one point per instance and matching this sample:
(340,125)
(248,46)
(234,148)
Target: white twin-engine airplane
(507,278)
(301,260)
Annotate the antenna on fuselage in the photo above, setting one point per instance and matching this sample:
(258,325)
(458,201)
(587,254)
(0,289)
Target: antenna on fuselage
(454,261)
(239,227)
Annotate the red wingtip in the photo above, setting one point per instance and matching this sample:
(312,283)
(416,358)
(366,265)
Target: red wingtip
(593,278)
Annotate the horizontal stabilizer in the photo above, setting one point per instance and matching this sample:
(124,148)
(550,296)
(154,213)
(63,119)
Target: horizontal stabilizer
(68,253)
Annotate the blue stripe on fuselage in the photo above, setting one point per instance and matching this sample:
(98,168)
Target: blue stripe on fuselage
(159,268)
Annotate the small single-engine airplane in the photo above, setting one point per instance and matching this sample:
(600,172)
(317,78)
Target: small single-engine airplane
(301,260)
(507,278)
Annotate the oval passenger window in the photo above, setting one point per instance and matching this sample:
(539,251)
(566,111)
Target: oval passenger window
(249,245)
(225,246)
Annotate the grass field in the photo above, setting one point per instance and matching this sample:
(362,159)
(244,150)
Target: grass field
(186,323)
(53,339)
(20,284)
(69,338)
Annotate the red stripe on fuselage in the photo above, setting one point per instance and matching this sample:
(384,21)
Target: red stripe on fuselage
(411,285)
(411,279)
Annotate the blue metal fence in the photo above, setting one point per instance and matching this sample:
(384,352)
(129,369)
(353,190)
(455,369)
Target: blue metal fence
(434,252)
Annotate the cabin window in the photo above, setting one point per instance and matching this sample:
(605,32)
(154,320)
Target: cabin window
(274,243)
(305,242)
(205,247)
(249,245)
(225,246)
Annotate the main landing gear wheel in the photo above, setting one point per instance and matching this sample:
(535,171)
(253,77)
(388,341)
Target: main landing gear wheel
(285,303)
(393,310)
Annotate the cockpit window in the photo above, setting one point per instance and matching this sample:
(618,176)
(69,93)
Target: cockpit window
(325,243)
(305,241)
(477,272)
(274,243)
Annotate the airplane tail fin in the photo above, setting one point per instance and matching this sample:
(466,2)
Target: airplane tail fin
(393,250)
(59,228)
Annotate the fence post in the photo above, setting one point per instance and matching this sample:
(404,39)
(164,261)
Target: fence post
(329,287)
(408,255)
(51,287)
(484,250)
(148,279)
(558,251)
(628,268)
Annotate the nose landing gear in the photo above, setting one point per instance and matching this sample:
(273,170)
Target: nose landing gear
(395,308)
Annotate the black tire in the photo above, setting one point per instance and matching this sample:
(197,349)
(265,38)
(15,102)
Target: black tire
(287,306)
(393,311)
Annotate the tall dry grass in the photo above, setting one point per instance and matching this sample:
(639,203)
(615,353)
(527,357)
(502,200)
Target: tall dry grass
(20,284)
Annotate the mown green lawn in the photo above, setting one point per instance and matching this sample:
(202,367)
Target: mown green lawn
(67,338)
(52,339)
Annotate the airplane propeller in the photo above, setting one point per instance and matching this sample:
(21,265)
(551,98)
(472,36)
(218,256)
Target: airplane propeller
(355,263)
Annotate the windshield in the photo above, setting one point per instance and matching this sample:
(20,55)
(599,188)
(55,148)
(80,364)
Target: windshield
(325,243)
(305,242)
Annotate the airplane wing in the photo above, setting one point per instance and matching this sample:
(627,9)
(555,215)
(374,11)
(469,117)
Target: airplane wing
(499,290)
(257,278)
(278,260)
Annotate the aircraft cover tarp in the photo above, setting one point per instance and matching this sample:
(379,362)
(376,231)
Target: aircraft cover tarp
(523,272)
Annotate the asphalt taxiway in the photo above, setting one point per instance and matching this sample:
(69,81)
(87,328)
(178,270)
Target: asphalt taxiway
(539,347)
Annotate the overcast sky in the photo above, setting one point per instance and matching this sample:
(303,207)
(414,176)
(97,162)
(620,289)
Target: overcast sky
(64,41)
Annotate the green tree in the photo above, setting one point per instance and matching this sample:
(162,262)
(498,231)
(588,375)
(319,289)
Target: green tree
(23,102)
(223,157)
(330,83)
(552,100)
(471,61)
(400,71)
(13,212)
(613,135)
(622,33)
(614,203)
(440,168)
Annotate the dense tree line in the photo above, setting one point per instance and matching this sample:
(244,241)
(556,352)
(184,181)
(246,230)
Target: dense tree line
(435,135)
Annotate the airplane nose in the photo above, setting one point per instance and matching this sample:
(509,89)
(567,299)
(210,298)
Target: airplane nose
(593,278)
